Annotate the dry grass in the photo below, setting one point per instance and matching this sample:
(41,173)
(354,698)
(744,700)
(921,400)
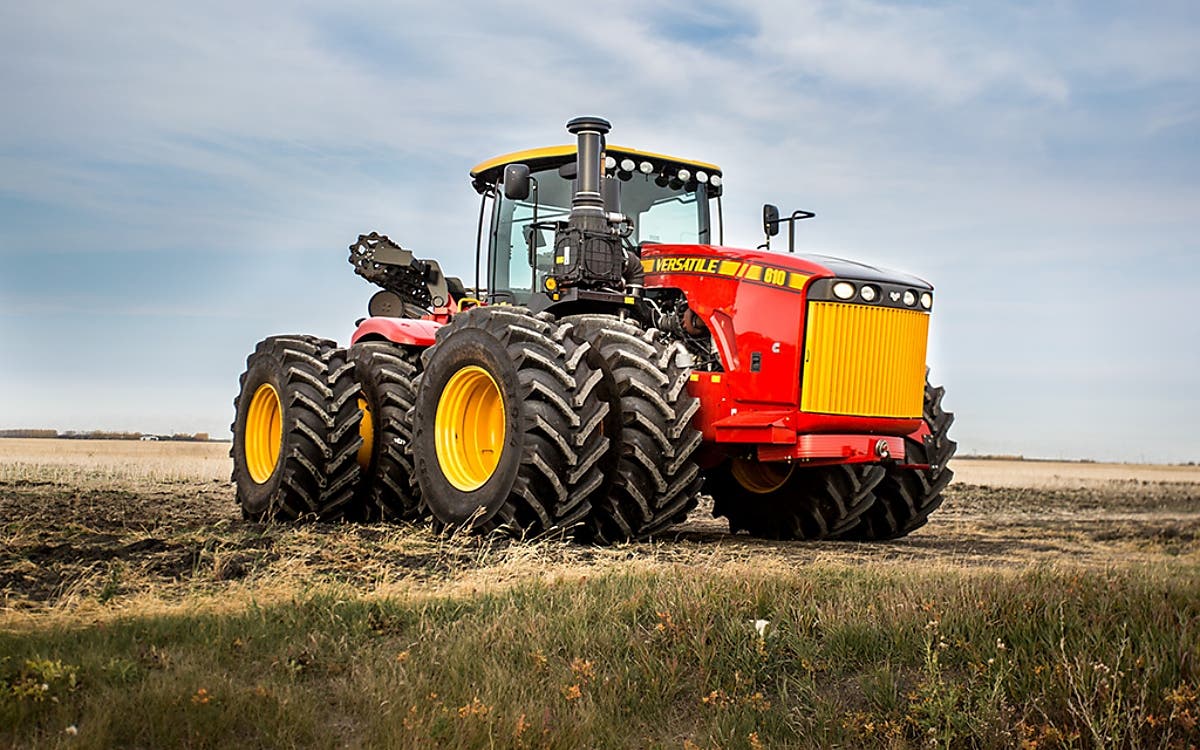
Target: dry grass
(1066,474)
(112,461)
(129,584)
(100,529)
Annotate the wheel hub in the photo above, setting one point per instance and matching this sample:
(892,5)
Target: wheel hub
(366,430)
(469,428)
(761,478)
(264,433)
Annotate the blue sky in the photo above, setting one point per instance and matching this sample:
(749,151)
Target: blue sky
(180,180)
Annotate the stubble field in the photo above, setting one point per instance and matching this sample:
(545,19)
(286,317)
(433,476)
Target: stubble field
(1046,604)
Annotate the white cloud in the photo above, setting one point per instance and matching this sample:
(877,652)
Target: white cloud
(928,136)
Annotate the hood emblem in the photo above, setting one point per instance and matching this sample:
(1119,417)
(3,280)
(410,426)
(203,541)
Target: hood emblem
(895,296)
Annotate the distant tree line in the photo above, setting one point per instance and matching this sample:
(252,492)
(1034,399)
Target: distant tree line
(200,437)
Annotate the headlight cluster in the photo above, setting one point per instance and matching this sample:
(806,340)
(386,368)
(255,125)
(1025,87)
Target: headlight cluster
(847,290)
(626,167)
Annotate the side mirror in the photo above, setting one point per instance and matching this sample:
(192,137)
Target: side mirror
(770,219)
(516,182)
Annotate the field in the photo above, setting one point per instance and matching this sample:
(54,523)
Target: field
(1046,605)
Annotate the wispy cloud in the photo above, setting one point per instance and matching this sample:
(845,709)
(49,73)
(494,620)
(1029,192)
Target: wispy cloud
(992,147)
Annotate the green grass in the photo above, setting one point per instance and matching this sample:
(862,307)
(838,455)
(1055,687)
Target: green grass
(669,658)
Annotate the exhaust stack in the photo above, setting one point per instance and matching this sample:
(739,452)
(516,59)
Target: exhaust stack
(588,253)
(590,132)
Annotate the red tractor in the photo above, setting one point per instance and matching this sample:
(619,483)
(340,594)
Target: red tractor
(616,362)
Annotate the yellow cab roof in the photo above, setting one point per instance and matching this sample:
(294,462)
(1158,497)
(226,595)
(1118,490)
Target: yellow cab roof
(538,158)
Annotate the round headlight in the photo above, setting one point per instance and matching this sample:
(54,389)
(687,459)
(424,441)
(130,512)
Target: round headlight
(683,175)
(868,293)
(701,176)
(610,162)
(910,298)
(627,165)
(715,180)
(645,167)
(926,300)
(843,290)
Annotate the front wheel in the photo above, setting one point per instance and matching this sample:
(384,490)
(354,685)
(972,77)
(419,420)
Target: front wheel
(507,425)
(653,480)
(906,497)
(787,501)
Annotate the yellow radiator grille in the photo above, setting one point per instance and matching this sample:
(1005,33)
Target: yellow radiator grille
(865,361)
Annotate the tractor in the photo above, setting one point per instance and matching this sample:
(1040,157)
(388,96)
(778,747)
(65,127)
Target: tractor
(615,363)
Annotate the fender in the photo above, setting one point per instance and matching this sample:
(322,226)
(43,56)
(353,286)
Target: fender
(404,331)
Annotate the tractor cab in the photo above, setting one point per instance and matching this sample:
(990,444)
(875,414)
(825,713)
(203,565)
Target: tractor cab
(665,200)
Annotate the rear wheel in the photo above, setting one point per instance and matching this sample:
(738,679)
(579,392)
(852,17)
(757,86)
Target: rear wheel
(295,431)
(386,372)
(786,501)
(906,497)
(656,481)
(507,424)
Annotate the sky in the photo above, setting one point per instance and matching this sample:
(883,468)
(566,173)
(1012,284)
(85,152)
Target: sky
(179,180)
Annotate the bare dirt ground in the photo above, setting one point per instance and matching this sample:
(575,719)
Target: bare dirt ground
(95,528)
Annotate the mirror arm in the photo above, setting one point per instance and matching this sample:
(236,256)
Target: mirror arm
(797,215)
(533,238)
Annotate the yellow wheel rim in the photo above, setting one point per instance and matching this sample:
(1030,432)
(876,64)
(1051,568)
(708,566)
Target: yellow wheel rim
(366,429)
(264,433)
(469,428)
(761,478)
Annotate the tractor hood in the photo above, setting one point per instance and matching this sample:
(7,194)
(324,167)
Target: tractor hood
(664,258)
(851,269)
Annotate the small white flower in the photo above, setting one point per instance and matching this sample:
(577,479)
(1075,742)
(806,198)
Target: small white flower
(72,730)
(760,627)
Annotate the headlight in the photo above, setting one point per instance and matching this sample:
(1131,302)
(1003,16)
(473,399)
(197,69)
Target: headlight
(715,180)
(701,176)
(869,293)
(627,165)
(910,297)
(843,290)
(645,167)
(610,162)
(683,175)
(926,300)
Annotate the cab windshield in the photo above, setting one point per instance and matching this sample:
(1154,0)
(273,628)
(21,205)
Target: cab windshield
(659,214)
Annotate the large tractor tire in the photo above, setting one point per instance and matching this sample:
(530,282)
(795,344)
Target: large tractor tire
(906,497)
(507,425)
(787,501)
(296,432)
(656,481)
(386,372)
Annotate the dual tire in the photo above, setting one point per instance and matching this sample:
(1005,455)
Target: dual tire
(296,432)
(863,502)
(580,426)
(654,480)
(387,376)
(785,501)
(906,497)
(508,424)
